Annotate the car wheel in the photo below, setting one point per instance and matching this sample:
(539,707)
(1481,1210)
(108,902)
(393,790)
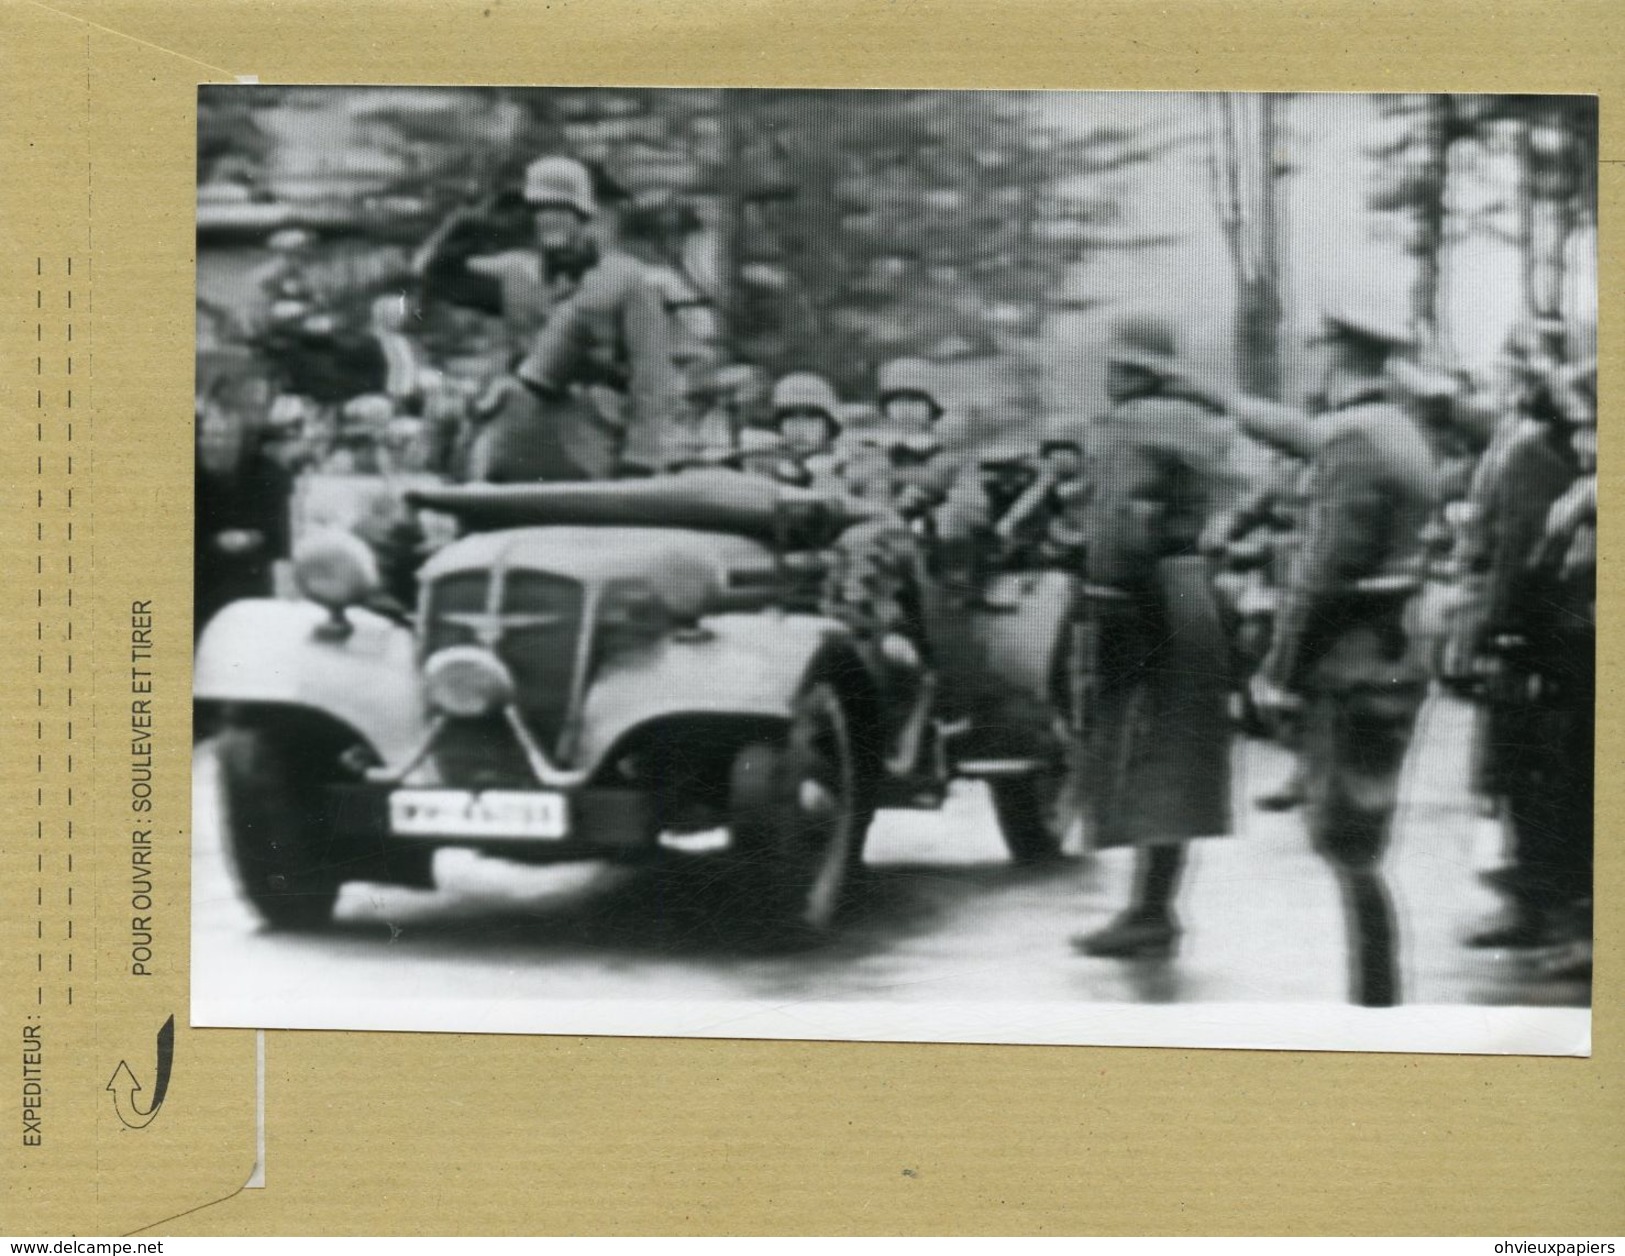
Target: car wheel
(1039,811)
(273,829)
(798,820)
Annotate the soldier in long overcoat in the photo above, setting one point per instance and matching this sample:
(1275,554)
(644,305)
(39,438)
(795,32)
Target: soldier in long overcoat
(1159,732)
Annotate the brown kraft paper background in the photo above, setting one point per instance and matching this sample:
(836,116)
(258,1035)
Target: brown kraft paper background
(431,1133)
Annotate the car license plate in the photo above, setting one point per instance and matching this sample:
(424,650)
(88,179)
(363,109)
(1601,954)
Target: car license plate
(498,814)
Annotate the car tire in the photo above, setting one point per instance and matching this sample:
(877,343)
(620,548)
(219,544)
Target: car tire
(1038,811)
(273,829)
(798,819)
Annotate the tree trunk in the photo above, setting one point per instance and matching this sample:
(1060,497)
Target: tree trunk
(1552,153)
(1242,152)
(1432,178)
(1263,322)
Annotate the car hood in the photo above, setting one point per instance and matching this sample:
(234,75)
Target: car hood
(692,572)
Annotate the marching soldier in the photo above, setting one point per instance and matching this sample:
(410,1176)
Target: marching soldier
(1159,738)
(600,387)
(1345,662)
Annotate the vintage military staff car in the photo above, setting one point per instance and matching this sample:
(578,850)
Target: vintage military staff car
(615,670)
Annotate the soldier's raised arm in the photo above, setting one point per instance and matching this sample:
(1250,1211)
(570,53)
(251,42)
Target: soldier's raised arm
(1288,429)
(441,267)
(1282,427)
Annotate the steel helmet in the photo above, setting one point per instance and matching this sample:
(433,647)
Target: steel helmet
(560,181)
(1363,316)
(904,377)
(1061,431)
(803,390)
(1144,341)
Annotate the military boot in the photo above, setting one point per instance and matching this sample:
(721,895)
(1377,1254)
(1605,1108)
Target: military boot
(1136,934)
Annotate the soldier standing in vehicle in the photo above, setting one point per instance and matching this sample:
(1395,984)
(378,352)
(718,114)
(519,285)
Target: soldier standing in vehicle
(805,418)
(876,580)
(600,389)
(1159,732)
(911,411)
(1346,663)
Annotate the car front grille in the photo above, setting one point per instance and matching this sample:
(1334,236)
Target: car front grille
(541,652)
(466,592)
(536,631)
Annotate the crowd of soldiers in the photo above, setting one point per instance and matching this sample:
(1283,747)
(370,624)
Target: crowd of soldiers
(1308,574)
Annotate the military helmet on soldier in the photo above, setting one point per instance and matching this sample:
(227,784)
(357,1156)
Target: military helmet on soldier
(909,377)
(1143,341)
(1367,326)
(1060,432)
(803,390)
(1142,353)
(803,393)
(560,181)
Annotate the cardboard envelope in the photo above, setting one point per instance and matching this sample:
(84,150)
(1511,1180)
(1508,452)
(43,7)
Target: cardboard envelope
(125,1117)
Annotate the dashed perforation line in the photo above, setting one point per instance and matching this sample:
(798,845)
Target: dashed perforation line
(47,753)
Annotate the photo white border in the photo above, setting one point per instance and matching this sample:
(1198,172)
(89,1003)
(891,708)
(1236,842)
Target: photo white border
(1434,1029)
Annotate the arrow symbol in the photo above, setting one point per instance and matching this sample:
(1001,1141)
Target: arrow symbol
(123,1084)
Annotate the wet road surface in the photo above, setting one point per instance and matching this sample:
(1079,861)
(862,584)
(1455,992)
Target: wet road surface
(941,915)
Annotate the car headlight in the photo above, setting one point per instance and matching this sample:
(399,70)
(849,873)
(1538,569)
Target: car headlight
(335,569)
(467,681)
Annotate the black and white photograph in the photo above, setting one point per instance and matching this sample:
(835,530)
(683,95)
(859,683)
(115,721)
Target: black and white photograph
(1109,568)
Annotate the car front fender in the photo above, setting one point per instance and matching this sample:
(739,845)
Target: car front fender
(264,651)
(749,666)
